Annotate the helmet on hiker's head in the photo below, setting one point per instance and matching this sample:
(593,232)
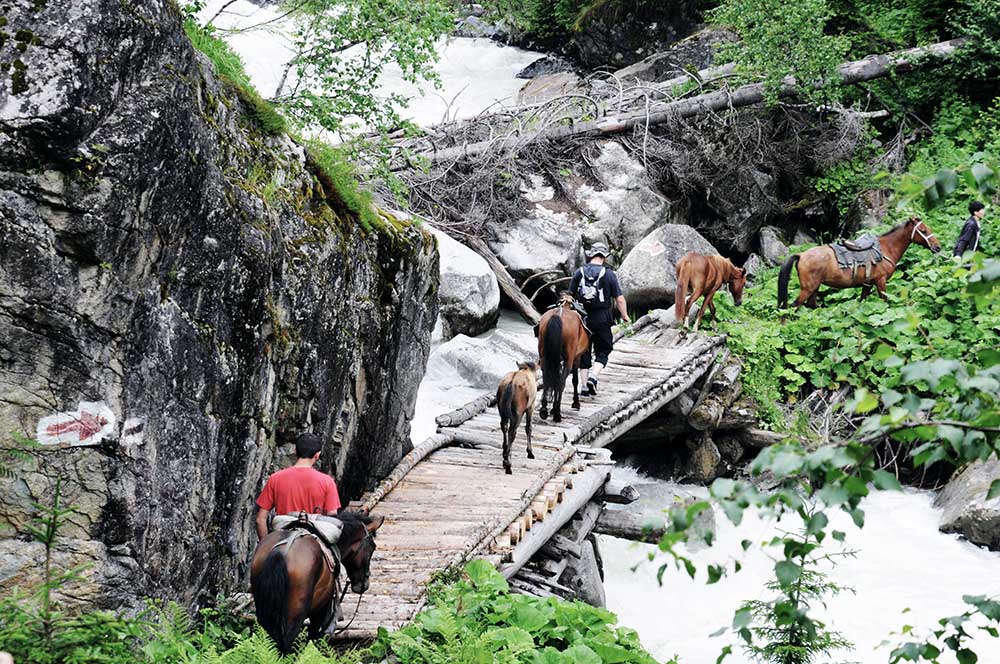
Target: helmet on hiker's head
(599,249)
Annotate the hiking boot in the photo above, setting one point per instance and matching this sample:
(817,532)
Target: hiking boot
(592,386)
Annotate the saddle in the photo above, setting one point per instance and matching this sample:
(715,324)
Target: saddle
(324,529)
(577,307)
(863,253)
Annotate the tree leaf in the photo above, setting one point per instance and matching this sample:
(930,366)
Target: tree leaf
(787,572)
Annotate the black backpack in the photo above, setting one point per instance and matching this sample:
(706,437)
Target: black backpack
(591,291)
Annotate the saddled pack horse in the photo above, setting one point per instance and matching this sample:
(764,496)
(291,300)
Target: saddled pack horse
(292,580)
(819,266)
(562,341)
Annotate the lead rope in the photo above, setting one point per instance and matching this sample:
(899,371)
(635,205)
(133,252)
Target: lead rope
(343,594)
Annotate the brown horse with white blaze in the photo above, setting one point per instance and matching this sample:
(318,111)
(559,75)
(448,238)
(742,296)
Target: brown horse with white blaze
(818,266)
(562,341)
(704,275)
(291,579)
(516,399)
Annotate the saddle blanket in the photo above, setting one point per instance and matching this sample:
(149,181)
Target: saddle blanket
(329,527)
(864,252)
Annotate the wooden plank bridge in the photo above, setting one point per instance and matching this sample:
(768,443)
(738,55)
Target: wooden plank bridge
(448,501)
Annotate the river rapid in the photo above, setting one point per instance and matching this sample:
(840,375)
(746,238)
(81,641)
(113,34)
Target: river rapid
(904,572)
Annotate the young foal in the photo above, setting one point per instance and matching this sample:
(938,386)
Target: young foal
(704,275)
(516,398)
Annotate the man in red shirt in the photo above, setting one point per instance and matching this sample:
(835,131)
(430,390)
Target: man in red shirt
(298,488)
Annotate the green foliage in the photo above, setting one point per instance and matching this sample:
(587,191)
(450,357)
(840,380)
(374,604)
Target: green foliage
(14,454)
(229,68)
(781,631)
(342,47)
(341,182)
(478,620)
(844,182)
(953,634)
(780,39)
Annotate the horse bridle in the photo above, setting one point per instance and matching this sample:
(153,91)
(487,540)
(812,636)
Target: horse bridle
(916,229)
(343,593)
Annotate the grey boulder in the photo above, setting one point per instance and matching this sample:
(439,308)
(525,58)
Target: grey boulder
(648,273)
(966,510)
(469,297)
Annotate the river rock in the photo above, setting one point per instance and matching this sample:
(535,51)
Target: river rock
(475,25)
(965,508)
(703,460)
(754,265)
(481,362)
(622,204)
(548,86)
(803,236)
(168,322)
(772,249)
(469,295)
(549,64)
(695,52)
(549,238)
(648,274)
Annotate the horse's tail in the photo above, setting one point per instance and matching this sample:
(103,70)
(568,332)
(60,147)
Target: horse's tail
(270,598)
(553,347)
(783,277)
(506,405)
(680,294)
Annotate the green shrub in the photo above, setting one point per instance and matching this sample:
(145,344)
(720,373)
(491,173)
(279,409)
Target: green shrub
(340,181)
(229,68)
(478,620)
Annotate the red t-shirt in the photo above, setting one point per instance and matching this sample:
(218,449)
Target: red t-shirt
(300,488)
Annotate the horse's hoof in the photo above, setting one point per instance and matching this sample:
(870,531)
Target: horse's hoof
(557,418)
(531,455)
(544,414)
(576,405)
(507,470)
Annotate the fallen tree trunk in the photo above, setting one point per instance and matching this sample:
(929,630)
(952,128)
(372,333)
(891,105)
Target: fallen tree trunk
(858,71)
(628,525)
(507,283)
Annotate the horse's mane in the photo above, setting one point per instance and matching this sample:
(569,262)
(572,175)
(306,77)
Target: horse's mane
(353,520)
(900,226)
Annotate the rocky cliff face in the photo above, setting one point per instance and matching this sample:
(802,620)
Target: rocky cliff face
(187,291)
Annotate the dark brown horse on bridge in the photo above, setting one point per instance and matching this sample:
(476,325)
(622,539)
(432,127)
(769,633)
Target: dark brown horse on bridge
(704,275)
(818,266)
(292,580)
(516,399)
(562,341)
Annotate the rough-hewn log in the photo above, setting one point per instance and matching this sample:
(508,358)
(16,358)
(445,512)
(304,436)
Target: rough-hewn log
(466,412)
(628,525)
(871,67)
(760,438)
(559,547)
(619,492)
(507,284)
(585,485)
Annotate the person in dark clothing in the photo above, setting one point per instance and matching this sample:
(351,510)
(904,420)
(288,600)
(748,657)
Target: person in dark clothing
(968,239)
(596,287)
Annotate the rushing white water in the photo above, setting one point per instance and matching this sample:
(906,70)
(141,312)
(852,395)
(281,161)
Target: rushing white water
(475,73)
(902,563)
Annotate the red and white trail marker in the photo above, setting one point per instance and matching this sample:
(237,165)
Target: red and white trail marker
(91,423)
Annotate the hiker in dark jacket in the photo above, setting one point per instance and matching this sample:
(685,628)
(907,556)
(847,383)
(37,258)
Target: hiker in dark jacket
(968,239)
(596,287)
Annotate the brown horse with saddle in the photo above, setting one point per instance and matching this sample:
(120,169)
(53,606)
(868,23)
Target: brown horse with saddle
(562,341)
(294,575)
(867,262)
